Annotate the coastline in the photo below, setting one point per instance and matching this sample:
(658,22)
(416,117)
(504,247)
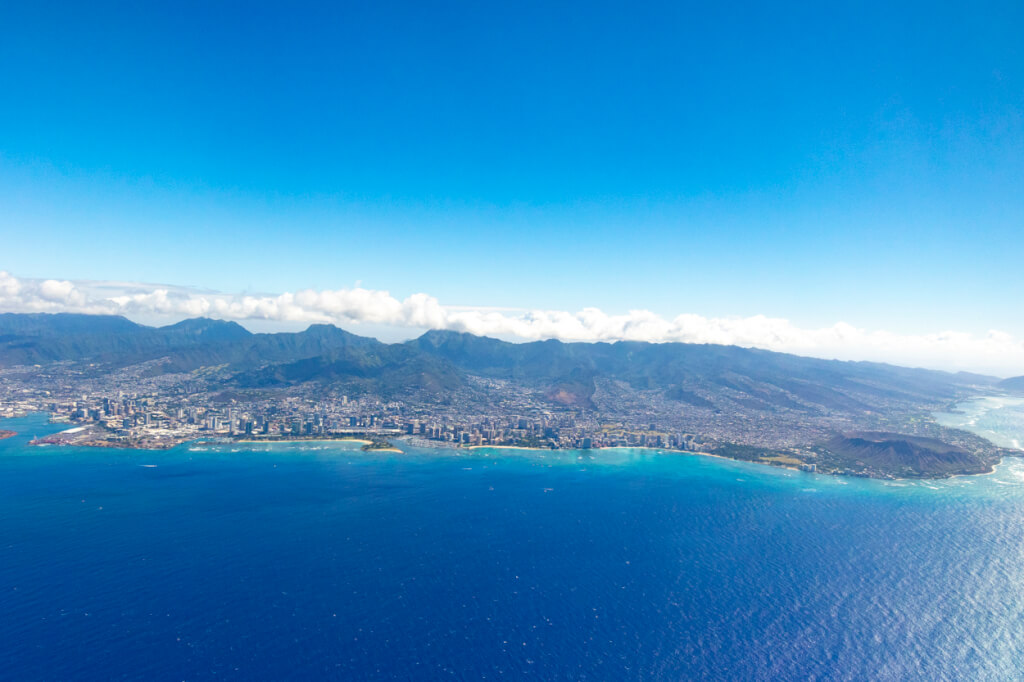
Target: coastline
(658,450)
(151,446)
(773,465)
(694,453)
(302,440)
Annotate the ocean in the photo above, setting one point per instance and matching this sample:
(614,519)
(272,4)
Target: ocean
(319,561)
(997,418)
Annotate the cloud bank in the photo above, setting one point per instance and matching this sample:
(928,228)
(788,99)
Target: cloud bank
(996,352)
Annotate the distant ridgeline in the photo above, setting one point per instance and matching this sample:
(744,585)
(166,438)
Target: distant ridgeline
(440,360)
(698,378)
(1015,384)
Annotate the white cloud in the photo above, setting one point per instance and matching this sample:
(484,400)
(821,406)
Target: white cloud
(996,351)
(9,286)
(62,292)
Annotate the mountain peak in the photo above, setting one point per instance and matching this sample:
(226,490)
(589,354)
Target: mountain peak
(440,338)
(325,328)
(209,329)
(325,336)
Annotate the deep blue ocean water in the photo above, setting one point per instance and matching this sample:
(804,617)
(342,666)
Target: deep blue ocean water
(319,561)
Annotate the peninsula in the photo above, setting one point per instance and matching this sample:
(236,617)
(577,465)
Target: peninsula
(119,384)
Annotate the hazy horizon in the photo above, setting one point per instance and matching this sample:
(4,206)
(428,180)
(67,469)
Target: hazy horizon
(377,314)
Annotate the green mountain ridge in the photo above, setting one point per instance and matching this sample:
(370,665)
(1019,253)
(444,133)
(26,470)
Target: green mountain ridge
(702,376)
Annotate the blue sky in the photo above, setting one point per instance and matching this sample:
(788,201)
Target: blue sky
(860,163)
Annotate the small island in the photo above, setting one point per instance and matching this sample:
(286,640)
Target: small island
(6,434)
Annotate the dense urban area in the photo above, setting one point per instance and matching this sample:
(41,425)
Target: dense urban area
(142,406)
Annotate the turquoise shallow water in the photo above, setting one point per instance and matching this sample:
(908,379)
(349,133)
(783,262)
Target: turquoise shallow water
(321,561)
(997,418)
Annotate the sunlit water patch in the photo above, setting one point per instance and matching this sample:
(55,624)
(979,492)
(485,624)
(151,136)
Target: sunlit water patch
(999,419)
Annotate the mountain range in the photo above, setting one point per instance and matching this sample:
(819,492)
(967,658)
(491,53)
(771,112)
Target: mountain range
(694,375)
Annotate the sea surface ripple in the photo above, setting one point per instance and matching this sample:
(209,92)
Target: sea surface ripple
(321,561)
